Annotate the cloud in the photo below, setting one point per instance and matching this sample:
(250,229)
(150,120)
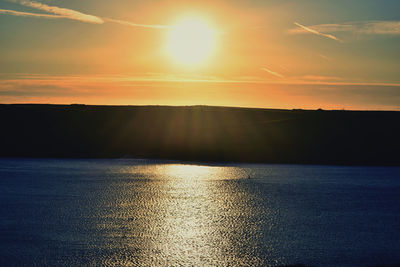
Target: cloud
(28,14)
(314,31)
(381,27)
(148,90)
(128,23)
(272,72)
(64,12)
(361,27)
(320,78)
(324,57)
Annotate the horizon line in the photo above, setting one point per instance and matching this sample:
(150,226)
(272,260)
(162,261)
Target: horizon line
(199,105)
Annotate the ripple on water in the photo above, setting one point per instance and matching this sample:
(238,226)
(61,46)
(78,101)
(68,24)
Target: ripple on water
(137,212)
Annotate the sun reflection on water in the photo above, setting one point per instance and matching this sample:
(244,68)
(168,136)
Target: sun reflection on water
(186,214)
(198,172)
(186,172)
(197,208)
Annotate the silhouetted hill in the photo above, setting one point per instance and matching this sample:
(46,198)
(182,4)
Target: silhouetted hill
(201,133)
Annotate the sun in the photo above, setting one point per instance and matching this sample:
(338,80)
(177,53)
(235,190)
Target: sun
(191,41)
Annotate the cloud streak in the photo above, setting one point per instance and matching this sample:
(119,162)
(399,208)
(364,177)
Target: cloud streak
(371,27)
(320,78)
(28,14)
(316,32)
(65,13)
(132,24)
(136,90)
(273,73)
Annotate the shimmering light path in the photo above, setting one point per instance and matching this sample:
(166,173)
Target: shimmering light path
(141,212)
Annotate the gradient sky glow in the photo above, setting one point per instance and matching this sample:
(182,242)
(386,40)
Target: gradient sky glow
(268,53)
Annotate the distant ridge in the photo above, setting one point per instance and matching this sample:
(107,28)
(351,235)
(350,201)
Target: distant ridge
(201,133)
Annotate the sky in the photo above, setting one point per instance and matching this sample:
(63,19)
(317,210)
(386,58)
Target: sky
(342,54)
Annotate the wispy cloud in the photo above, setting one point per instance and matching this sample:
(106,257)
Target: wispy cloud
(64,12)
(314,31)
(324,57)
(273,72)
(360,27)
(67,80)
(320,78)
(128,23)
(28,14)
(144,91)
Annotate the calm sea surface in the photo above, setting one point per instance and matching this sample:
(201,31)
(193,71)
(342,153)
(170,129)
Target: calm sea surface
(143,212)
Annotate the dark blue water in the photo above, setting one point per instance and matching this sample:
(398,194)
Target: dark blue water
(141,212)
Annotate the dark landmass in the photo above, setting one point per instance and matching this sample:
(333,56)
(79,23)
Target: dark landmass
(201,133)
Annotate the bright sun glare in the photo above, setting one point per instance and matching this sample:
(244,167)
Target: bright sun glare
(191,41)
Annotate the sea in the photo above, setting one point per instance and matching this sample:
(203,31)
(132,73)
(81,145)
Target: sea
(140,212)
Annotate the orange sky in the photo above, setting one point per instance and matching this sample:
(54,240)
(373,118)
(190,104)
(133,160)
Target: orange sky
(277,54)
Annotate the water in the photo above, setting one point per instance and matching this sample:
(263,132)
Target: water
(142,212)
